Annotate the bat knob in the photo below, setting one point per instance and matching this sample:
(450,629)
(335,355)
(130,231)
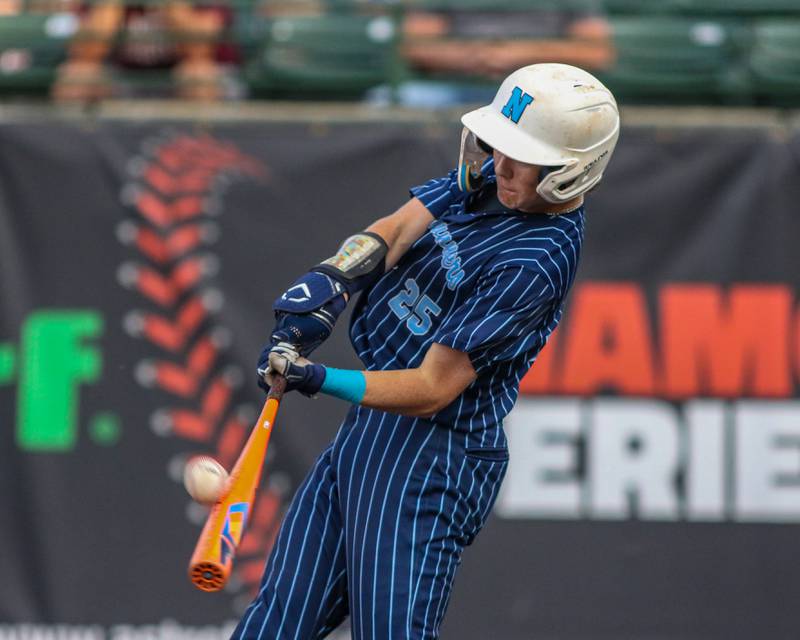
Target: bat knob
(207,576)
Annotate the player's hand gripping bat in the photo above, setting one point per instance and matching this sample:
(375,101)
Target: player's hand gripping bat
(212,560)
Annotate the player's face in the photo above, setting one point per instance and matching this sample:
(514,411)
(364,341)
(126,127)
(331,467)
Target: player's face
(516,184)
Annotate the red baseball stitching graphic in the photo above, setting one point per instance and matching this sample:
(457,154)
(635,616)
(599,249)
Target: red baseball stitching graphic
(175,184)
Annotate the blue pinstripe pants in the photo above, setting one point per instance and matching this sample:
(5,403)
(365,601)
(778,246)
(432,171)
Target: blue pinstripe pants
(376,532)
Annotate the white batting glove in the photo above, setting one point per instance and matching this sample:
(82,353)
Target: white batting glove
(287,354)
(299,372)
(282,357)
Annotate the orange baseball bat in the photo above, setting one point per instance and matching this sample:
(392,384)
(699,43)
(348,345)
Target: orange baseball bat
(213,555)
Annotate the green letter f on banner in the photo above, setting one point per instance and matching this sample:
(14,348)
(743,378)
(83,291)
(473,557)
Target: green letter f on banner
(517,104)
(55,362)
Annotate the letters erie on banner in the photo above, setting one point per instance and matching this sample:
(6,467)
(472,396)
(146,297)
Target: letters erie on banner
(704,426)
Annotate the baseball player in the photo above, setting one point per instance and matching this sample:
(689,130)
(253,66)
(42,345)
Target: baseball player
(459,290)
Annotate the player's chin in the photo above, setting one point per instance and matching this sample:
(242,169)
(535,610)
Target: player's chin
(506,197)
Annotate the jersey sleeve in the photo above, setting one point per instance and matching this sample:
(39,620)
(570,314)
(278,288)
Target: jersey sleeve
(505,316)
(438,194)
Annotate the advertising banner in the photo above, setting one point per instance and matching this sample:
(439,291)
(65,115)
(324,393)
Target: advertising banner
(654,483)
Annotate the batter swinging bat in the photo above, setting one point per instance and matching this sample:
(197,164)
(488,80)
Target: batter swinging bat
(213,555)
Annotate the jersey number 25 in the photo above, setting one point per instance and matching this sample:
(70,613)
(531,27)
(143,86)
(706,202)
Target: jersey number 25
(418,311)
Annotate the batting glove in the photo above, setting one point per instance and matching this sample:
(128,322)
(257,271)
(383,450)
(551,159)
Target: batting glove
(300,374)
(263,369)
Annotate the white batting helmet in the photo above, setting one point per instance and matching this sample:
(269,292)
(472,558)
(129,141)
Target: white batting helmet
(551,115)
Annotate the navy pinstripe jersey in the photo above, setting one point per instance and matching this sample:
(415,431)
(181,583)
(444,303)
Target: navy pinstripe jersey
(488,282)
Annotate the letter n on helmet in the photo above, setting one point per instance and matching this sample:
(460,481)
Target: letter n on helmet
(516,105)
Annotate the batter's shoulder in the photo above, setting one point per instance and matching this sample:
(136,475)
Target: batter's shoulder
(549,250)
(544,235)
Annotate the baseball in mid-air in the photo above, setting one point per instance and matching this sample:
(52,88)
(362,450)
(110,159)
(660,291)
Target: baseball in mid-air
(205,479)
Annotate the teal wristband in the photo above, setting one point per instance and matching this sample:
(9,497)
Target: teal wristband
(344,384)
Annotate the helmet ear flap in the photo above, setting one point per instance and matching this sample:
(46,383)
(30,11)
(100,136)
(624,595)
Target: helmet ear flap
(545,171)
(555,183)
(559,187)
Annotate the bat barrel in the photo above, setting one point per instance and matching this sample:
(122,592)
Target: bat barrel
(213,555)
(208,576)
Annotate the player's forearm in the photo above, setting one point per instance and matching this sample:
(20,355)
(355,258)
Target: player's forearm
(420,392)
(410,392)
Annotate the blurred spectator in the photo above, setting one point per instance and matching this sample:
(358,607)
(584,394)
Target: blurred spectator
(455,54)
(492,42)
(10,7)
(172,36)
(15,7)
(291,8)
